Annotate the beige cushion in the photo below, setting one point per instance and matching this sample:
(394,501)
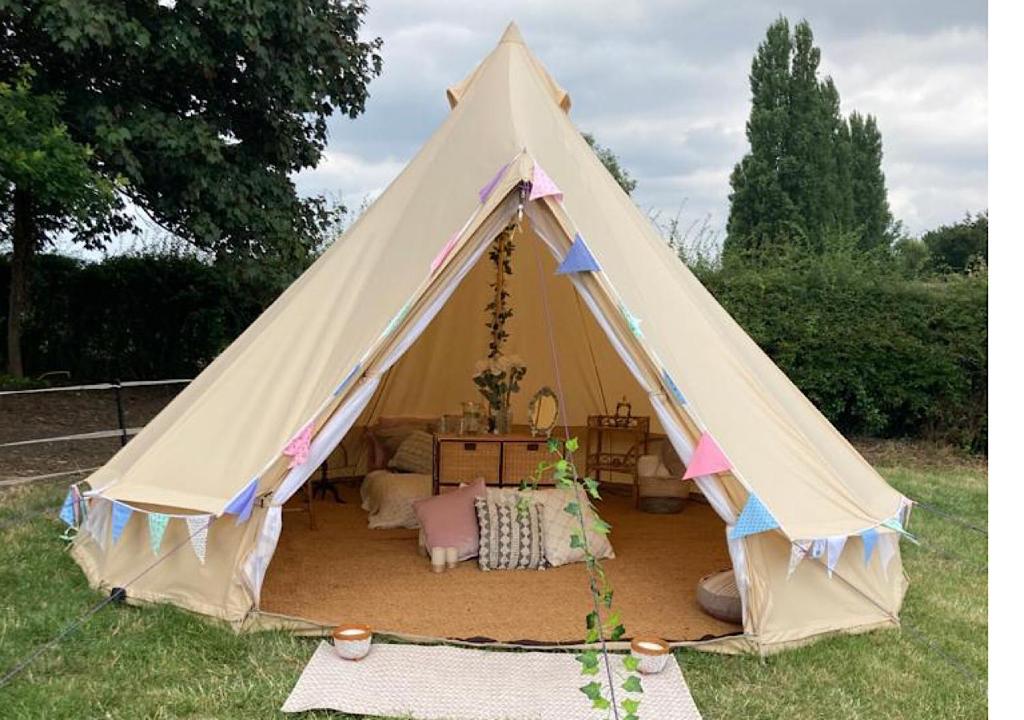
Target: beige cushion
(415,454)
(510,539)
(719,597)
(559,525)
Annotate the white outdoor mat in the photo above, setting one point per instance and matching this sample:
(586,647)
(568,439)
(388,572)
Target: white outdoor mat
(450,683)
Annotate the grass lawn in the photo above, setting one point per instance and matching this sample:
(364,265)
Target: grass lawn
(159,662)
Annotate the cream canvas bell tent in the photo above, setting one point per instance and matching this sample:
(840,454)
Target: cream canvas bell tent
(389,322)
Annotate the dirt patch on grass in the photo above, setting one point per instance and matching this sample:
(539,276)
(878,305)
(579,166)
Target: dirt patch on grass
(43,415)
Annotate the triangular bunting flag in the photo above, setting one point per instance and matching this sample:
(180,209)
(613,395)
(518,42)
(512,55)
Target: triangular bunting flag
(298,448)
(834,545)
(895,524)
(870,538)
(397,319)
(578,259)
(707,459)
(119,517)
(543,186)
(99,521)
(157,525)
(887,544)
(242,503)
(904,512)
(348,378)
(797,552)
(439,259)
(754,519)
(632,321)
(817,549)
(67,510)
(673,388)
(486,190)
(198,527)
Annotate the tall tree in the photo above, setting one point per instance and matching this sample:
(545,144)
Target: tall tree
(46,186)
(198,113)
(762,212)
(806,178)
(870,197)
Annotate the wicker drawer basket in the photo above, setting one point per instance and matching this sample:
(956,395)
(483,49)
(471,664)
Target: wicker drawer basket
(466,460)
(520,462)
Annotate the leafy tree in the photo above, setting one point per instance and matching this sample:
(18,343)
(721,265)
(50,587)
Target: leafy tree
(870,197)
(957,247)
(611,164)
(198,114)
(810,175)
(47,185)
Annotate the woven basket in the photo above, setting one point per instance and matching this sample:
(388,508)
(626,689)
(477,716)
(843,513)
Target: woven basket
(463,461)
(662,495)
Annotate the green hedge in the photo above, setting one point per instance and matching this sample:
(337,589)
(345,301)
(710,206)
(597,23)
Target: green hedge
(132,317)
(879,354)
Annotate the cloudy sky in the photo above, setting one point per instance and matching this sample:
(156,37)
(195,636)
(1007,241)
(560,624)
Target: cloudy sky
(664,84)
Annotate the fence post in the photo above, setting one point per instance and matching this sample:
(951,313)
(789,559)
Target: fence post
(120,413)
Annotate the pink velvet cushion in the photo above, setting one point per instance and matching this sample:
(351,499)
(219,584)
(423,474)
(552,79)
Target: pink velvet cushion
(449,520)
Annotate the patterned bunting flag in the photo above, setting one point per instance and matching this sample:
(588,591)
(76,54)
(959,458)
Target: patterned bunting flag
(198,528)
(543,186)
(707,459)
(120,514)
(157,526)
(439,259)
(578,259)
(870,538)
(243,502)
(632,321)
(67,510)
(754,519)
(817,549)
(486,190)
(797,552)
(834,545)
(672,387)
(298,448)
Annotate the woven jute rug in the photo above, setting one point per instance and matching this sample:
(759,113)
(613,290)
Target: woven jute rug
(449,683)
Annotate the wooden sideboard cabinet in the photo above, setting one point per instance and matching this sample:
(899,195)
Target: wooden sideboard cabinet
(501,460)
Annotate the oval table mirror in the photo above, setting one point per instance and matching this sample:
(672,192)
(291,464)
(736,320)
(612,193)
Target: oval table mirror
(543,412)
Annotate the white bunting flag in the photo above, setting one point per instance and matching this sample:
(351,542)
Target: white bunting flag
(887,544)
(198,527)
(797,552)
(98,521)
(835,546)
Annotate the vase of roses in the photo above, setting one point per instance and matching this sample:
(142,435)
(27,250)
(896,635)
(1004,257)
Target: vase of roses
(497,379)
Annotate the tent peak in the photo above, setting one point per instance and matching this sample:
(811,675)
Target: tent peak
(512,35)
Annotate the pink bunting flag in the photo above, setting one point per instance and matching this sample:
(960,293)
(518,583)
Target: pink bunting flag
(298,448)
(707,459)
(543,186)
(443,255)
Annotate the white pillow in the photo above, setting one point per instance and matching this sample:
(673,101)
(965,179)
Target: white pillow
(415,454)
(559,526)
